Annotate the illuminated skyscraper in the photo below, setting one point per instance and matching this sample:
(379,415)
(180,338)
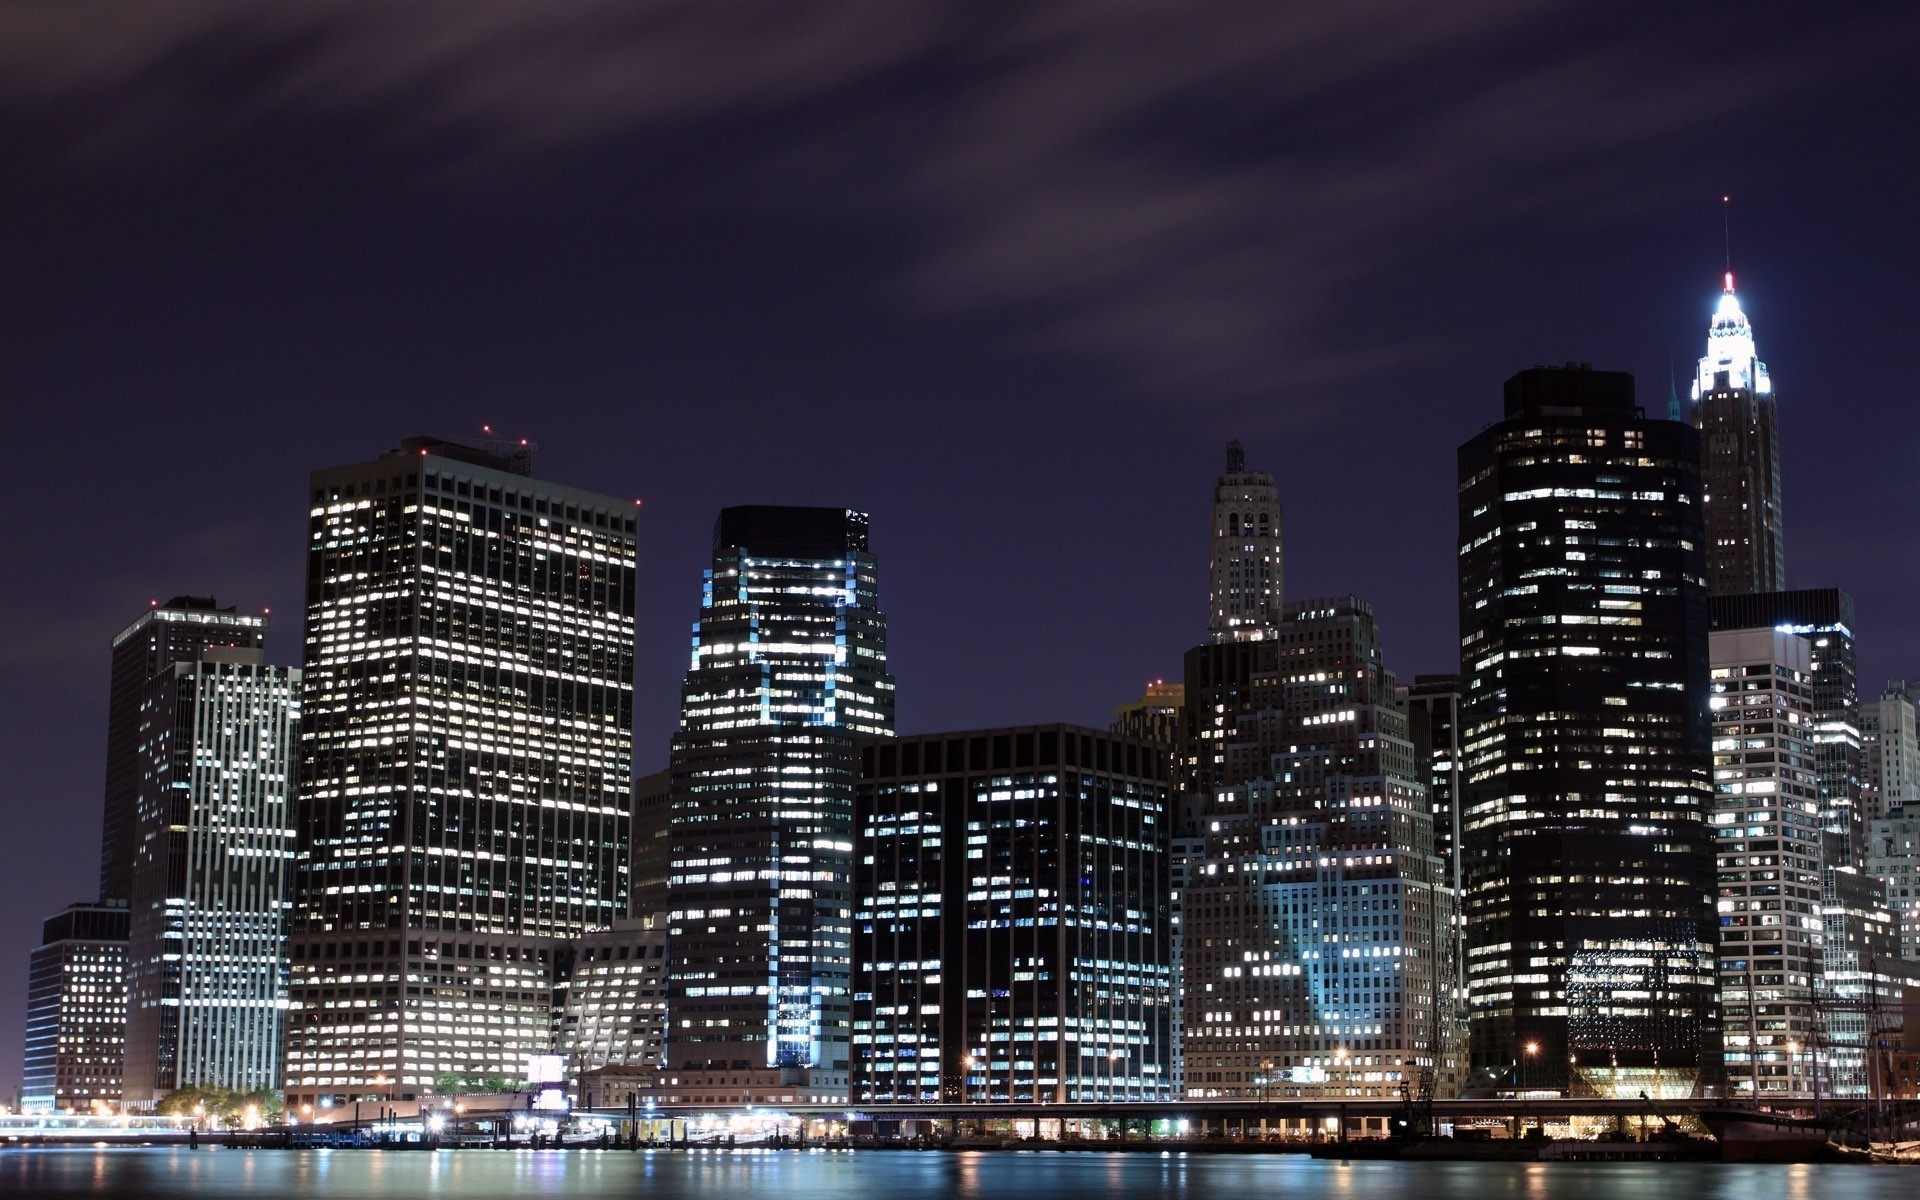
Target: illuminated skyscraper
(1824,616)
(466,763)
(1766,824)
(1313,922)
(206,956)
(174,632)
(789,668)
(76,1045)
(1738,420)
(1012,918)
(1155,717)
(1244,566)
(1589,866)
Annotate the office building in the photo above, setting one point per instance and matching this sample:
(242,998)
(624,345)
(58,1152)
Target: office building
(169,633)
(1766,822)
(1893,858)
(652,856)
(1245,563)
(1155,717)
(1824,616)
(1432,705)
(1313,916)
(1865,979)
(206,955)
(1735,411)
(1891,753)
(610,999)
(466,775)
(1589,869)
(1011,924)
(76,1044)
(789,668)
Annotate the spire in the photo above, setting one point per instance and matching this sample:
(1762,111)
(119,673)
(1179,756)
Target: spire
(1731,360)
(1673,392)
(1236,458)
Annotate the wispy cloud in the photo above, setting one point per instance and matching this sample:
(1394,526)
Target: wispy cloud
(1200,196)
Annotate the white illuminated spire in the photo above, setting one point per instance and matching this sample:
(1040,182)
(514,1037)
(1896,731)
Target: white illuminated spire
(1730,351)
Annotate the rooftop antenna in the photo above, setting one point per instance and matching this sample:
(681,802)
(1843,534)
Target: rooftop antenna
(1726,235)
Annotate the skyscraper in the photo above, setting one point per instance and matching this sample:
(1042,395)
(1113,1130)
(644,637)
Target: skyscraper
(789,668)
(1012,936)
(176,631)
(1766,822)
(1824,616)
(1432,704)
(1245,561)
(466,763)
(206,955)
(1313,920)
(1589,866)
(1155,716)
(1738,420)
(76,1044)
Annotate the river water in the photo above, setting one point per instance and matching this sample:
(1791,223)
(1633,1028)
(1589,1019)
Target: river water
(898,1175)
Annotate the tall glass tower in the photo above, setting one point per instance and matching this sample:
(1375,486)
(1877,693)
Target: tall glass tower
(466,769)
(789,668)
(1738,420)
(1589,864)
(207,966)
(169,633)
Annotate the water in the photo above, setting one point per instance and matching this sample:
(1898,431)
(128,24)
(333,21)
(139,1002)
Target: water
(898,1175)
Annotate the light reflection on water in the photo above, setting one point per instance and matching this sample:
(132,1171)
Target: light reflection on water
(896,1175)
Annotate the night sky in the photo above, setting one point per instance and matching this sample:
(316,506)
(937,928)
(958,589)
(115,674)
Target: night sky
(1005,276)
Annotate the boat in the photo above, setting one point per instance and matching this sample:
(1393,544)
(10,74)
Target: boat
(1758,1135)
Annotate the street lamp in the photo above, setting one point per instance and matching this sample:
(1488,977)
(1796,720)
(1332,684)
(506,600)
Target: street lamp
(1533,1052)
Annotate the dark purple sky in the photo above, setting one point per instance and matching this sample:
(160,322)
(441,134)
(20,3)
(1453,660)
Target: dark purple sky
(1006,283)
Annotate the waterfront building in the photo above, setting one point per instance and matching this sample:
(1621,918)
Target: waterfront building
(76,1045)
(1245,565)
(466,775)
(1766,821)
(1155,717)
(1432,705)
(1313,915)
(206,955)
(1824,616)
(1865,979)
(1734,409)
(169,633)
(1012,936)
(610,1000)
(788,670)
(1589,870)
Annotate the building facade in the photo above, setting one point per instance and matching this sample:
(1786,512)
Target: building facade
(1245,564)
(466,763)
(789,668)
(1893,857)
(1766,822)
(169,633)
(207,965)
(1155,717)
(76,1044)
(1012,918)
(1589,868)
(1824,616)
(1891,752)
(610,999)
(1735,411)
(1314,918)
(1432,704)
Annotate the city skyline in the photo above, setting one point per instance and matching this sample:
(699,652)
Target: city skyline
(619,294)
